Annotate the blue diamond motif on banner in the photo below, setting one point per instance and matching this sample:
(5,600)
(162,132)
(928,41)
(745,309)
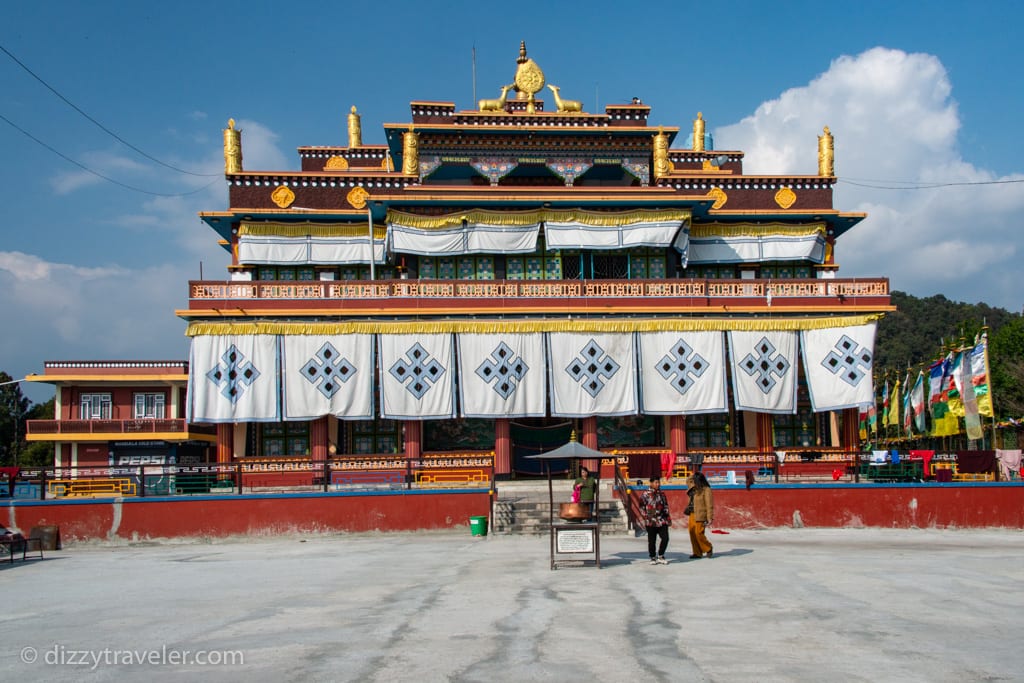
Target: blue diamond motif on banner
(766,365)
(233,374)
(592,367)
(504,369)
(419,372)
(680,365)
(327,370)
(850,362)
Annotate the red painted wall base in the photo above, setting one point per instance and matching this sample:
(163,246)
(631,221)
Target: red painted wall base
(217,516)
(866,505)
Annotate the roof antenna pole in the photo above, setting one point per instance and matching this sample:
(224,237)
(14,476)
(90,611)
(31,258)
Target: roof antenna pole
(474,73)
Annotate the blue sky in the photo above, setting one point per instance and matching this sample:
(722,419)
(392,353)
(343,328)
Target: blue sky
(915,93)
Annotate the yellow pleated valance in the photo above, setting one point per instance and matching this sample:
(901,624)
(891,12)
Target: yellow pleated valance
(699,230)
(309,229)
(526,326)
(524,218)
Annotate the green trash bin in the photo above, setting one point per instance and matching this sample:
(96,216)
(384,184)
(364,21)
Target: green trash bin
(478,525)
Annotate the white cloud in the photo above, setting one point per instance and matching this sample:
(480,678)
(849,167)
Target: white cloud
(894,119)
(101,163)
(57,311)
(63,311)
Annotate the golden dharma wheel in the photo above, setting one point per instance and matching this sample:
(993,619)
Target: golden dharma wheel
(529,78)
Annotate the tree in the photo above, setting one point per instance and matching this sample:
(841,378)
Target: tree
(38,453)
(13,408)
(1006,358)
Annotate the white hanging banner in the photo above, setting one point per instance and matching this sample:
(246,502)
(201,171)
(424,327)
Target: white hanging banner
(472,238)
(837,363)
(416,376)
(682,372)
(327,375)
(502,375)
(592,374)
(234,378)
(764,366)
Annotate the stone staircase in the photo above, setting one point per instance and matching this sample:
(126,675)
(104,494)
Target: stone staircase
(523,508)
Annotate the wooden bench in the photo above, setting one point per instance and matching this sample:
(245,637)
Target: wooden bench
(24,545)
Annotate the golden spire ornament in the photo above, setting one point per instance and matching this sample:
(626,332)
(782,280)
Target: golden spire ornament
(355,129)
(232,149)
(698,133)
(826,154)
(529,78)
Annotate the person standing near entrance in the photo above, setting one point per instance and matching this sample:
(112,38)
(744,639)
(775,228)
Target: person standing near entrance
(657,519)
(703,512)
(587,487)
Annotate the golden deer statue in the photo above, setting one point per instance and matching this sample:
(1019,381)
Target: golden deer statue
(498,104)
(565,105)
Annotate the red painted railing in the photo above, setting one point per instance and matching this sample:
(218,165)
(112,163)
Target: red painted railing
(141,426)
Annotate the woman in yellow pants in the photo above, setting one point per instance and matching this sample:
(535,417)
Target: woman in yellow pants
(703,512)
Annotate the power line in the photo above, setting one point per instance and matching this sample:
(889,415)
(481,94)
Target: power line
(908,185)
(100,125)
(97,173)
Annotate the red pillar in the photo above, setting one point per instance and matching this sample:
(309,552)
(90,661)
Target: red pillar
(851,430)
(413,439)
(677,434)
(765,434)
(318,438)
(225,442)
(588,427)
(502,446)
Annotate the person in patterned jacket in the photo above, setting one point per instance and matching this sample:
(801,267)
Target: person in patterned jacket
(657,519)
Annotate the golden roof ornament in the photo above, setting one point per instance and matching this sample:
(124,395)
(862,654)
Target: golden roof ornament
(698,133)
(355,129)
(411,152)
(498,104)
(565,105)
(529,78)
(826,154)
(232,149)
(662,166)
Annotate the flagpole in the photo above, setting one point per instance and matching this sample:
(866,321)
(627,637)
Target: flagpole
(988,380)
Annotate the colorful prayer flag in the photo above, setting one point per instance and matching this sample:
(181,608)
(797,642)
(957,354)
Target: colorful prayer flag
(917,403)
(908,414)
(979,376)
(963,379)
(894,405)
(885,404)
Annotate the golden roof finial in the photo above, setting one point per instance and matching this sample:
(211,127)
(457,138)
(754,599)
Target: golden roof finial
(232,148)
(411,152)
(826,154)
(662,165)
(529,79)
(698,133)
(355,129)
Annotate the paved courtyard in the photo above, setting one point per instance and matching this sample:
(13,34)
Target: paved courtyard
(773,605)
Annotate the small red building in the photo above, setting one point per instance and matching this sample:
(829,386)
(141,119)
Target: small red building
(119,413)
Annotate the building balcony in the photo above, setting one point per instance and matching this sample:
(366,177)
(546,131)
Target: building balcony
(535,297)
(118,430)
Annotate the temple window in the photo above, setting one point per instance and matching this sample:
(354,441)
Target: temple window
(278,439)
(149,406)
(95,407)
(707,431)
(366,437)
